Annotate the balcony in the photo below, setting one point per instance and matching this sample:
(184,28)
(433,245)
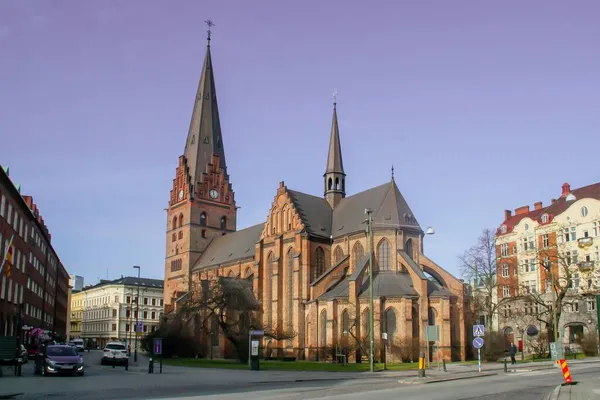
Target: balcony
(585,242)
(586,266)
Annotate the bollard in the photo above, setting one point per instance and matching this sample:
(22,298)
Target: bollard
(421,365)
(150,366)
(127,366)
(161,365)
(444,363)
(505,366)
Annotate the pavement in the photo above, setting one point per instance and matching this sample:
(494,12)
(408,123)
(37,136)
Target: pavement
(585,389)
(106,382)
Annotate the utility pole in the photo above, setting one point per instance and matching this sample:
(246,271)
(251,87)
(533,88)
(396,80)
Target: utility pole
(137,312)
(369,213)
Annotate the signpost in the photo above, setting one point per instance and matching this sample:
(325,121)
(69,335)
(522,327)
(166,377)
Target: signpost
(556,351)
(478,331)
(253,346)
(139,328)
(157,346)
(432,334)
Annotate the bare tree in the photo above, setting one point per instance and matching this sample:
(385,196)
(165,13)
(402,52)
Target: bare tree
(478,265)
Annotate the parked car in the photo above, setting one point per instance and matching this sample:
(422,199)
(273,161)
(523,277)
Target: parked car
(62,359)
(78,344)
(115,353)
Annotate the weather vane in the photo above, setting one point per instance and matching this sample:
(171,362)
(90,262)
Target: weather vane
(392,172)
(334,96)
(210,24)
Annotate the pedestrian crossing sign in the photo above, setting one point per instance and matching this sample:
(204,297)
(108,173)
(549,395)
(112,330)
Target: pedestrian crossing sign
(478,330)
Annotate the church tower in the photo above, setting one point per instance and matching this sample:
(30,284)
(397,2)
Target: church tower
(334,177)
(202,203)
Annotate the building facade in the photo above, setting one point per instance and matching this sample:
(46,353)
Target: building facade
(108,311)
(308,261)
(76,283)
(33,282)
(562,237)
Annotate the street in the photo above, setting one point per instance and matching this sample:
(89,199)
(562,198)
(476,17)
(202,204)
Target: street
(106,382)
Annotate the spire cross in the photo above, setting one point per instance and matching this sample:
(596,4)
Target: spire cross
(392,172)
(210,24)
(334,97)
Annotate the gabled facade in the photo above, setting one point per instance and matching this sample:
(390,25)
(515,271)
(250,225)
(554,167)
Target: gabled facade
(307,261)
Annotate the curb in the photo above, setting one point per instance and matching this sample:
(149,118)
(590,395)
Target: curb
(555,393)
(455,378)
(10,396)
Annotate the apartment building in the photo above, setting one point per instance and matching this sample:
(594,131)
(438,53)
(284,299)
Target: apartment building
(108,310)
(562,237)
(33,282)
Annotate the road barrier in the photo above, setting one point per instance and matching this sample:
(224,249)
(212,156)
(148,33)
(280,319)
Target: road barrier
(566,372)
(421,365)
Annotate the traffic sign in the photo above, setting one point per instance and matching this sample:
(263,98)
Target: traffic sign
(478,342)
(139,326)
(478,330)
(157,346)
(257,333)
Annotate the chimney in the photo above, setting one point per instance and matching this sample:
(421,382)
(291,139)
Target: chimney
(553,201)
(566,189)
(507,214)
(537,205)
(522,210)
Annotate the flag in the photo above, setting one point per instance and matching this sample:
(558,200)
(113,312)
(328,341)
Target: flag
(8,257)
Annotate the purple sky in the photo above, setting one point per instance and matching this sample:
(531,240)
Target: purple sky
(480,106)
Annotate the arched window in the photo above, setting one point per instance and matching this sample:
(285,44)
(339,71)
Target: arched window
(174,237)
(366,321)
(180,234)
(409,248)
(203,219)
(345,322)
(390,324)
(323,328)
(339,254)
(223,223)
(269,288)
(384,256)
(174,222)
(290,291)
(248,274)
(180,220)
(319,266)
(337,183)
(431,316)
(358,253)
(230,274)
(329,184)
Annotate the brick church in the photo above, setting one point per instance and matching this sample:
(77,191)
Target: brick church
(309,261)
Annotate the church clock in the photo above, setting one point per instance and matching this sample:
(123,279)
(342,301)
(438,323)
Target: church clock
(181,195)
(213,194)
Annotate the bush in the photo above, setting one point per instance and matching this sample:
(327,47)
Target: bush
(539,346)
(495,346)
(175,343)
(589,344)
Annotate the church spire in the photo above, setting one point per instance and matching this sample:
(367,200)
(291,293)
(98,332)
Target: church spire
(335,178)
(204,136)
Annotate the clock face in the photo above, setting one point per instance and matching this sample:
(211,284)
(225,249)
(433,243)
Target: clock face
(213,194)
(181,195)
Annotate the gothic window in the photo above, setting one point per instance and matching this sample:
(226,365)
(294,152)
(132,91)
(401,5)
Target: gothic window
(339,254)
(180,234)
(174,237)
(204,233)
(409,248)
(203,219)
(345,322)
(223,223)
(358,254)
(290,292)
(180,220)
(431,316)
(174,223)
(384,255)
(319,267)
(337,183)
(390,324)
(366,319)
(329,184)
(323,328)
(269,288)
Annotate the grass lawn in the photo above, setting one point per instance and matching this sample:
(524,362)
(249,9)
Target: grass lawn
(273,365)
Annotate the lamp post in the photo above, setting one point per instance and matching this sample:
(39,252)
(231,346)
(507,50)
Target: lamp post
(137,312)
(369,213)
(547,267)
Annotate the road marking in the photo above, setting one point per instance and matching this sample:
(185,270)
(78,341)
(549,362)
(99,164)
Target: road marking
(530,373)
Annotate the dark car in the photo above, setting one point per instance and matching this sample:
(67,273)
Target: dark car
(62,359)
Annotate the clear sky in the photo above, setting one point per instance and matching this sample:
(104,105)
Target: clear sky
(479,105)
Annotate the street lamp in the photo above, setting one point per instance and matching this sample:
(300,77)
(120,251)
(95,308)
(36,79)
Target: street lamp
(137,312)
(547,267)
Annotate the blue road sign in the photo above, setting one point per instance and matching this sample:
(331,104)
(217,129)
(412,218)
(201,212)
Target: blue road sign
(140,326)
(478,342)
(478,330)
(157,346)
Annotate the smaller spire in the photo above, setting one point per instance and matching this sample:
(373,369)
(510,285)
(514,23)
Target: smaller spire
(392,172)
(210,24)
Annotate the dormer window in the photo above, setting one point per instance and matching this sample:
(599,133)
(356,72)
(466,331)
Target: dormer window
(545,218)
(503,228)
(584,211)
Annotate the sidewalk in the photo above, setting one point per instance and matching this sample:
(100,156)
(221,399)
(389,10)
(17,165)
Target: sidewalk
(585,390)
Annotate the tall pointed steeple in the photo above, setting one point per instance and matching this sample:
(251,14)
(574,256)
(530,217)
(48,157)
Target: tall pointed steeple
(335,177)
(204,136)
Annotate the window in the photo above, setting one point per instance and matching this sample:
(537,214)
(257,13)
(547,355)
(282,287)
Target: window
(145,314)
(345,322)
(114,327)
(384,256)
(597,228)
(571,257)
(176,265)
(128,314)
(145,301)
(174,226)
(126,327)
(173,237)
(290,297)
(504,270)
(503,228)
(153,314)
(203,219)
(569,234)
(504,250)
(153,302)
(2,205)
(319,263)
(527,243)
(584,211)
(529,265)
(128,299)
(545,240)
(180,220)
(357,254)
(114,312)
(339,254)
(223,223)
(180,235)
(591,304)
(323,328)
(162,302)
(204,233)
(9,216)
(116,299)
(505,291)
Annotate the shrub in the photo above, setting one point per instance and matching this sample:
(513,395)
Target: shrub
(589,344)
(495,346)
(539,346)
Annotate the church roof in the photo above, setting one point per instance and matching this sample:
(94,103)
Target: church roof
(386,284)
(315,212)
(232,247)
